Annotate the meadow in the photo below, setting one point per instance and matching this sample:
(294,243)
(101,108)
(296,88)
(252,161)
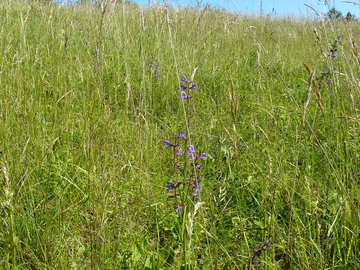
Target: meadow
(111,159)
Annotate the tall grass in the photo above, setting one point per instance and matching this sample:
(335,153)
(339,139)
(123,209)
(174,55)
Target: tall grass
(84,169)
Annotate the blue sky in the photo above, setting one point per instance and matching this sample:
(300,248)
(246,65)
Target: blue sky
(281,7)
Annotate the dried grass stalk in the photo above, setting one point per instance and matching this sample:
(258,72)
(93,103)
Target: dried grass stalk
(308,95)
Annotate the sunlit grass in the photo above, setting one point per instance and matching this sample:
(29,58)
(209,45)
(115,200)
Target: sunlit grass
(84,168)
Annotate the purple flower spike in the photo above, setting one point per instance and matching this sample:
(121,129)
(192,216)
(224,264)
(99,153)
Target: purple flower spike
(257,252)
(178,184)
(184,95)
(180,136)
(168,144)
(193,87)
(197,186)
(191,149)
(178,210)
(197,189)
(184,80)
(178,153)
(267,243)
(255,261)
(203,156)
(170,186)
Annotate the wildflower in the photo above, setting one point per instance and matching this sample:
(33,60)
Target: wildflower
(257,252)
(157,74)
(153,67)
(178,153)
(168,144)
(180,136)
(191,151)
(333,55)
(267,243)
(329,81)
(95,56)
(198,166)
(193,87)
(184,80)
(178,210)
(197,189)
(171,186)
(183,87)
(184,96)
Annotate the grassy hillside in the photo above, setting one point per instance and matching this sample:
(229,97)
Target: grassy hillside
(89,94)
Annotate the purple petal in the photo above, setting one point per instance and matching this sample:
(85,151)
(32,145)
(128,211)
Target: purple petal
(267,242)
(184,95)
(178,153)
(178,183)
(197,186)
(191,149)
(168,144)
(181,136)
(170,186)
